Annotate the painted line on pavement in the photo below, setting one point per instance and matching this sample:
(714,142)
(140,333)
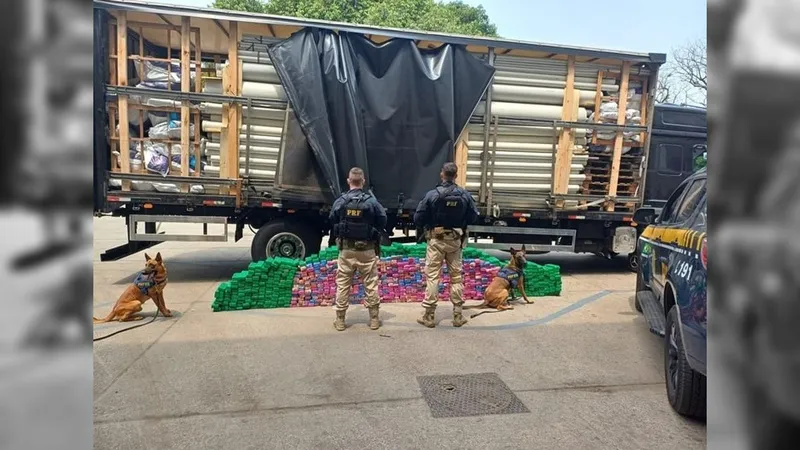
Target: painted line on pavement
(548,318)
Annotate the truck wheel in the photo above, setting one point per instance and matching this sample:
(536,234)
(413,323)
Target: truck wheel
(285,238)
(686,389)
(633,262)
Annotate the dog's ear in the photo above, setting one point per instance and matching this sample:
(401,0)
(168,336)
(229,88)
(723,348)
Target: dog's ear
(146,257)
(158,258)
(512,251)
(523,249)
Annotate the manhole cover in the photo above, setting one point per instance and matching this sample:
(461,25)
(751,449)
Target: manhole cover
(476,394)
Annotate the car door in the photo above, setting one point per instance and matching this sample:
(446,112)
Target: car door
(688,276)
(653,237)
(676,237)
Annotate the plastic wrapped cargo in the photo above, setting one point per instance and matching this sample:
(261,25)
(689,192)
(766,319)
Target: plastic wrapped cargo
(156,157)
(168,130)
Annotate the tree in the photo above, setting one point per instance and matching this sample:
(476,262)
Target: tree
(691,64)
(255,6)
(428,15)
(684,79)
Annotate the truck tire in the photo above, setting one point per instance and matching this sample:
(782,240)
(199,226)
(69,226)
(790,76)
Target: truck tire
(686,388)
(633,262)
(285,238)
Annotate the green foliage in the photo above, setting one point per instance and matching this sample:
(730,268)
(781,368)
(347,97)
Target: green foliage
(255,6)
(427,15)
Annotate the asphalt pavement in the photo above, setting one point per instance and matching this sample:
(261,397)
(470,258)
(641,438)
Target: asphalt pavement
(584,365)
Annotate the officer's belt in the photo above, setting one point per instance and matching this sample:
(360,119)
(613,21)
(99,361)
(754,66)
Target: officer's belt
(349,244)
(445,232)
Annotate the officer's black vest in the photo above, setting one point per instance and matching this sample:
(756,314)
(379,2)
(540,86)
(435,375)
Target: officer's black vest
(356,221)
(449,207)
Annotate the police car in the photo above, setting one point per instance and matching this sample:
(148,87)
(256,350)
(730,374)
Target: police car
(671,289)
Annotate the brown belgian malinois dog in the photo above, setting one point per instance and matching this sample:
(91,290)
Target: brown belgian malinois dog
(149,284)
(502,286)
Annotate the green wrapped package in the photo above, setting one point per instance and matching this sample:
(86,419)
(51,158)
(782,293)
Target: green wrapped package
(269,283)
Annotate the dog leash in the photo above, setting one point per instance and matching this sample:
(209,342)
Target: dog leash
(127,329)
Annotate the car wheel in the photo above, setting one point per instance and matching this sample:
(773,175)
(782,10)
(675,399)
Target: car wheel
(686,388)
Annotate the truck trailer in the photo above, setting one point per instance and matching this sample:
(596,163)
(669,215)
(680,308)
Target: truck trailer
(253,120)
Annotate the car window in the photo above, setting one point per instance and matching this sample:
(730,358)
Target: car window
(691,200)
(667,213)
(701,220)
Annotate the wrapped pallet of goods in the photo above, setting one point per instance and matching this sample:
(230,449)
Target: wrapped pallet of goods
(154,120)
(598,167)
(262,128)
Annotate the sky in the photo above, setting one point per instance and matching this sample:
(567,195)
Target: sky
(655,26)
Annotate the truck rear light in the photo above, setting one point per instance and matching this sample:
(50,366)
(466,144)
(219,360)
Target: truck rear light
(704,254)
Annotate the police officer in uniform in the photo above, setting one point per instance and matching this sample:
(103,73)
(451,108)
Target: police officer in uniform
(357,218)
(444,214)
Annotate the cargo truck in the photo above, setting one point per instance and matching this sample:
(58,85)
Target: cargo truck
(252,121)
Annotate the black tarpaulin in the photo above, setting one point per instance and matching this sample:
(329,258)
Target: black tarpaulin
(392,109)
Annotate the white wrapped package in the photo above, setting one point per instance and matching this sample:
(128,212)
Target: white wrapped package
(167,188)
(633,136)
(606,135)
(168,130)
(142,186)
(157,71)
(173,188)
(157,119)
(609,116)
(609,107)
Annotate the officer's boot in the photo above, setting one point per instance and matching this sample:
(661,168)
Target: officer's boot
(458,317)
(374,320)
(427,317)
(339,322)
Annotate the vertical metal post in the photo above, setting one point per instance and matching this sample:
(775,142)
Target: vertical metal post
(490,189)
(553,166)
(247,137)
(487,118)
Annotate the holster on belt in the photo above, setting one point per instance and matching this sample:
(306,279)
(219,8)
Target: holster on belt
(347,244)
(437,233)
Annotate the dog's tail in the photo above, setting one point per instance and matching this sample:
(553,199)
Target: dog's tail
(486,312)
(481,306)
(104,319)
